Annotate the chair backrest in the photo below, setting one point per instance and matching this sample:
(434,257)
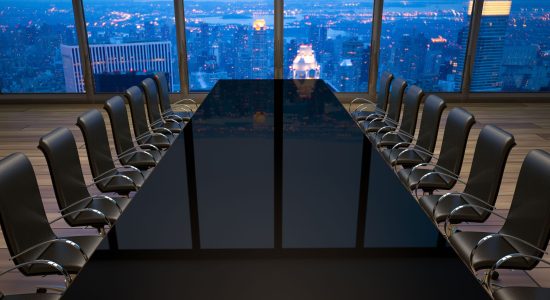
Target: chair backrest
(491,152)
(93,129)
(151,99)
(384,90)
(455,137)
(59,148)
(529,215)
(116,109)
(164,91)
(429,124)
(411,104)
(136,100)
(22,216)
(398,86)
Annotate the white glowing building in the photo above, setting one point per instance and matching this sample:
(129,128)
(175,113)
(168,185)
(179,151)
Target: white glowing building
(305,65)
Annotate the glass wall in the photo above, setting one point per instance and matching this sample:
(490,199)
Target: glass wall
(32,35)
(513,47)
(228,39)
(425,42)
(130,41)
(328,40)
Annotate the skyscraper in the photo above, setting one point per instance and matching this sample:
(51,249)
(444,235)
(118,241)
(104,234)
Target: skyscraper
(116,58)
(259,49)
(305,65)
(490,46)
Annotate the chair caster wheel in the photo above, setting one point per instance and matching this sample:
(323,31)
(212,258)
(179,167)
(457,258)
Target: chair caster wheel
(495,275)
(41,291)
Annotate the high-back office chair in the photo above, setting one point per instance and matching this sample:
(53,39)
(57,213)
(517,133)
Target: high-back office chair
(409,154)
(526,229)
(183,105)
(71,191)
(491,152)
(32,244)
(455,137)
(391,135)
(159,137)
(362,112)
(108,177)
(391,118)
(142,156)
(153,108)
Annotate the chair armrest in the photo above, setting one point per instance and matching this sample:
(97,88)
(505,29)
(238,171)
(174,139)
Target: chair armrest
(171,115)
(400,132)
(170,120)
(111,177)
(122,156)
(51,263)
(490,236)
(457,209)
(446,195)
(186,107)
(186,100)
(103,197)
(365,101)
(49,242)
(149,134)
(489,275)
(452,176)
(384,128)
(92,210)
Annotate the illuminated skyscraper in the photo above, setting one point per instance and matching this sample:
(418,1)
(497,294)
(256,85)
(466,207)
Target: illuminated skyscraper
(116,58)
(305,65)
(259,49)
(490,46)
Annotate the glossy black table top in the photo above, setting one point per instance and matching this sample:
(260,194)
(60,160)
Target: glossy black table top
(272,192)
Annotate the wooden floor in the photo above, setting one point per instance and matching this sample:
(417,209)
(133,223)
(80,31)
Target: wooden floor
(22,125)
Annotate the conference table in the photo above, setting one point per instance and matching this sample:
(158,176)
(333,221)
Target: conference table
(273,192)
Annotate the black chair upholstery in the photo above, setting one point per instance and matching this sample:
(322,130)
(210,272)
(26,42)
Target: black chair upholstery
(153,108)
(522,293)
(160,137)
(143,156)
(455,137)
(391,118)
(166,107)
(390,136)
(71,191)
(410,154)
(362,112)
(527,227)
(32,244)
(491,152)
(108,178)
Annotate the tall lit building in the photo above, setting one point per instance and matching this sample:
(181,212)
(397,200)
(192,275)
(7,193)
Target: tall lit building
(259,49)
(490,46)
(305,65)
(116,58)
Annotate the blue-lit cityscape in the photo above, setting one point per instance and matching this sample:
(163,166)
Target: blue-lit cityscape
(422,41)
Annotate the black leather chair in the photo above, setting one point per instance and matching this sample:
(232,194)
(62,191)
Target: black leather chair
(491,153)
(160,137)
(71,192)
(142,156)
(420,150)
(108,178)
(32,245)
(364,110)
(389,136)
(455,137)
(391,118)
(526,230)
(183,106)
(153,108)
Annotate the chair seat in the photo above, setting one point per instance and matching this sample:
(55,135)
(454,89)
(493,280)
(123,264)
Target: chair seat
(373,126)
(105,206)
(389,140)
(184,115)
(488,253)
(362,115)
(143,161)
(408,159)
(158,141)
(451,202)
(37,296)
(65,255)
(174,127)
(428,184)
(522,293)
(121,185)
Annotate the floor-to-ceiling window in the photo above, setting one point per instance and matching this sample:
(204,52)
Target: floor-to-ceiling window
(228,39)
(328,40)
(33,35)
(425,42)
(129,41)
